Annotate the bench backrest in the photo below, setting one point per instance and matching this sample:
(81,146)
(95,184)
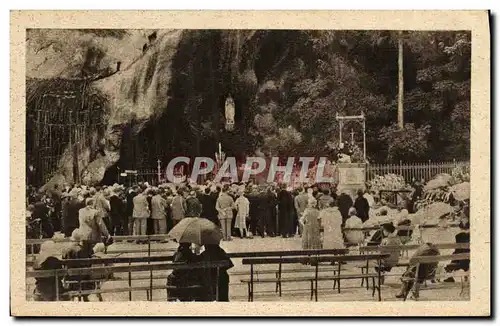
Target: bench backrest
(435,259)
(294,260)
(401,227)
(124,269)
(116,260)
(441,246)
(291,253)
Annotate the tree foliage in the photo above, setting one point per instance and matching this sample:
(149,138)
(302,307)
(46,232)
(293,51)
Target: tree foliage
(349,72)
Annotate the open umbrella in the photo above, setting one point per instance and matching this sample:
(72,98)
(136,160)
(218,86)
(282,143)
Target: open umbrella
(196,230)
(435,211)
(440,181)
(461,191)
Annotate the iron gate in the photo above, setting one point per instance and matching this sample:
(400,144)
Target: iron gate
(61,120)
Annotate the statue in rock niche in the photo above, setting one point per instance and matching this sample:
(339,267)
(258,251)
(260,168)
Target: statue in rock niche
(229,113)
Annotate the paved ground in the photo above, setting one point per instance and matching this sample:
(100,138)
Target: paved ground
(350,289)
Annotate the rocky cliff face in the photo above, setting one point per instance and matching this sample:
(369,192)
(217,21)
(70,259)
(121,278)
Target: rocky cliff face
(167,99)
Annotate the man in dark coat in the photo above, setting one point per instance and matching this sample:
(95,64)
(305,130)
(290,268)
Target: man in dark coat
(345,202)
(285,212)
(362,206)
(41,212)
(217,280)
(271,202)
(264,213)
(208,201)
(117,214)
(254,213)
(130,208)
(462,237)
(72,208)
(55,195)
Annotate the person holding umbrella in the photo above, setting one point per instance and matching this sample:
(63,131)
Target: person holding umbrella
(201,232)
(180,281)
(218,280)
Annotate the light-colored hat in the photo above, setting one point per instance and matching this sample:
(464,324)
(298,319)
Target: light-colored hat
(99,247)
(76,235)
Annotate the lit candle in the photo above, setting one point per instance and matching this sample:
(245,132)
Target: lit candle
(220,148)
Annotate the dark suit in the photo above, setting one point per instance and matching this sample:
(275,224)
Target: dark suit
(362,208)
(285,213)
(117,214)
(345,202)
(71,216)
(208,210)
(462,237)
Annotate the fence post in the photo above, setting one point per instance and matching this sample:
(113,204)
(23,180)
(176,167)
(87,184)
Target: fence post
(430,171)
(401,168)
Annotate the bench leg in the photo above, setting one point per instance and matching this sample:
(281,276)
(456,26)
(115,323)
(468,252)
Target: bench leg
(362,279)
(312,289)
(334,281)
(248,292)
(277,283)
(316,294)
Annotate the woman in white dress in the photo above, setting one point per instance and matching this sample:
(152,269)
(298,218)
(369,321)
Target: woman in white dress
(311,230)
(243,208)
(331,219)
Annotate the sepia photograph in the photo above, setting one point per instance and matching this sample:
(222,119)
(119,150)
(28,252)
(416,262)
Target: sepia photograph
(251,165)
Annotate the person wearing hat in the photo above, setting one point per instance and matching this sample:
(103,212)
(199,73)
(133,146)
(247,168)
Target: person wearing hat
(311,226)
(79,249)
(141,214)
(101,204)
(70,216)
(208,201)
(390,238)
(331,219)
(179,281)
(178,207)
(353,237)
(362,206)
(159,208)
(243,209)
(300,204)
(216,279)
(92,226)
(224,206)
(117,213)
(45,287)
(131,193)
(253,219)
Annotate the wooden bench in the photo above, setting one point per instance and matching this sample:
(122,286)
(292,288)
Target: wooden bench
(418,261)
(313,279)
(403,248)
(60,273)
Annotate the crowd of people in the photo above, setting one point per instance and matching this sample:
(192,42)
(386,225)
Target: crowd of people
(322,216)
(243,210)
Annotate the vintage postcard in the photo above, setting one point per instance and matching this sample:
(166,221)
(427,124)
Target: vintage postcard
(250,163)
